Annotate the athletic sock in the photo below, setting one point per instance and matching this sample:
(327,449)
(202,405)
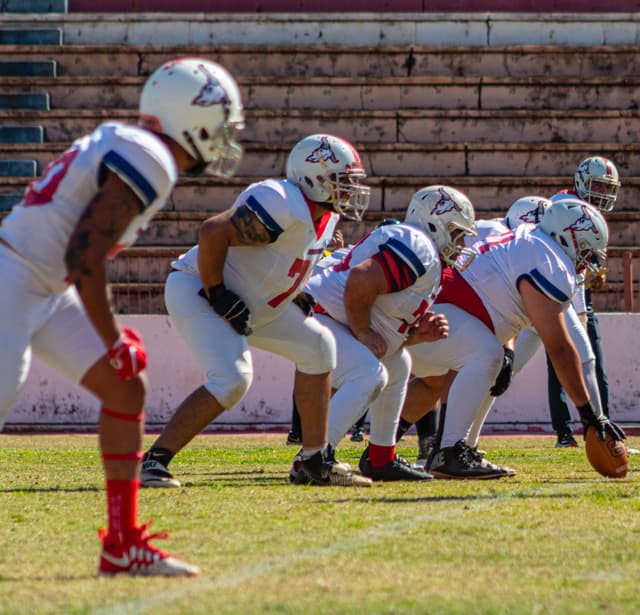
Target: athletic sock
(161,455)
(380,456)
(403,428)
(122,505)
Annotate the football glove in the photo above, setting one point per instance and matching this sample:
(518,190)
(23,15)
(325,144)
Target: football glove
(233,309)
(305,302)
(504,377)
(127,355)
(602,424)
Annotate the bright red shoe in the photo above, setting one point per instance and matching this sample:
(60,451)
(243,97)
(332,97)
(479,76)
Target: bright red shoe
(139,558)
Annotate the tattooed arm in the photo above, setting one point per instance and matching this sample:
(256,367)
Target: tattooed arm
(234,227)
(96,233)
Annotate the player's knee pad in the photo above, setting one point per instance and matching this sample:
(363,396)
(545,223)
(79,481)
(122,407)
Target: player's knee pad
(379,380)
(230,389)
(321,356)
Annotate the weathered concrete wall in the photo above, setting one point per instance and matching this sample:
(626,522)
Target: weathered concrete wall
(48,400)
(481,29)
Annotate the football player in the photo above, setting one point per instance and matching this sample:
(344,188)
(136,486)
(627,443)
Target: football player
(519,279)
(376,301)
(241,287)
(89,204)
(525,210)
(596,181)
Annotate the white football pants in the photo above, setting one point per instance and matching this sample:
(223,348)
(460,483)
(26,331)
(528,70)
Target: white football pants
(363,381)
(224,355)
(52,326)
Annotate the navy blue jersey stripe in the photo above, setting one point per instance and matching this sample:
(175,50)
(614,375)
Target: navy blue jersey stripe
(272,226)
(408,254)
(145,191)
(398,273)
(546,286)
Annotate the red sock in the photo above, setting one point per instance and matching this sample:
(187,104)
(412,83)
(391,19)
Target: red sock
(381,455)
(122,505)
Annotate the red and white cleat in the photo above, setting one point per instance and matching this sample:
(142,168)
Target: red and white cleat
(136,557)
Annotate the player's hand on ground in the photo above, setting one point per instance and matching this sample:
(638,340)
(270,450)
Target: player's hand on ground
(503,379)
(374,342)
(305,302)
(228,305)
(127,355)
(602,424)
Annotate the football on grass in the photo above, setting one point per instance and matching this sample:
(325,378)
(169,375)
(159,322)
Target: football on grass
(609,458)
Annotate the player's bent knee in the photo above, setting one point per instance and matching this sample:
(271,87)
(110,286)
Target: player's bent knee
(230,391)
(322,354)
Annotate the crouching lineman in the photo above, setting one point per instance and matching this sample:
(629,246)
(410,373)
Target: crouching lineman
(519,279)
(376,301)
(90,203)
(420,394)
(240,287)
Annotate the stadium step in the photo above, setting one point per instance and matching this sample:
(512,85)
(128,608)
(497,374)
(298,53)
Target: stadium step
(411,159)
(304,61)
(35,6)
(23,168)
(35,37)
(387,193)
(480,28)
(361,93)
(21,135)
(8,200)
(411,126)
(24,100)
(43,68)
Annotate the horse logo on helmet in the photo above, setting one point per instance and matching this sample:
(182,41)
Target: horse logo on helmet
(322,153)
(211,93)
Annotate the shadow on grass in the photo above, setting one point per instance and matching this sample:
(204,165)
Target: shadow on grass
(51,489)
(51,579)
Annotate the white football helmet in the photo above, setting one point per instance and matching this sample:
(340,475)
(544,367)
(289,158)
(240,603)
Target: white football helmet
(197,103)
(596,182)
(581,231)
(528,209)
(447,215)
(328,170)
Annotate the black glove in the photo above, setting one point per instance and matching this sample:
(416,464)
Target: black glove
(233,309)
(305,302)
(602,425)
(504,377)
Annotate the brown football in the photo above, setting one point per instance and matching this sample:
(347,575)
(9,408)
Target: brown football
(609,458)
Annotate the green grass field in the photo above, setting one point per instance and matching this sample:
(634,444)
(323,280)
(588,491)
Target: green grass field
(557,538)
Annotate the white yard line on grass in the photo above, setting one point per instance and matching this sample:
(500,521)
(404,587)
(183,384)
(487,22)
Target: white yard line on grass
(266,566)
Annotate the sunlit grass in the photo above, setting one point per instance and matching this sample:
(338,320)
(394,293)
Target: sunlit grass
(557,538)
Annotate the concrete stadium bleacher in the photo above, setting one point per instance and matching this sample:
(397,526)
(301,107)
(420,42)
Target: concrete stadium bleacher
(458,99)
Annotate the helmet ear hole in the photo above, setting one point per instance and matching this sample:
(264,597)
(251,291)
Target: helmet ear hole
(204,134)
(432,227)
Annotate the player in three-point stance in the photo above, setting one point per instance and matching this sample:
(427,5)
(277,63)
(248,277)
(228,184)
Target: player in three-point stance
(241,286)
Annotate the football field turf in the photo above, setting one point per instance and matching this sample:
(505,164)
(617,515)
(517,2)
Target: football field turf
(556,538)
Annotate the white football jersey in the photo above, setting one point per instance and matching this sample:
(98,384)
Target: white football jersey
(504,260)
(268,277)
(484,228)
(411,263)
(39,227)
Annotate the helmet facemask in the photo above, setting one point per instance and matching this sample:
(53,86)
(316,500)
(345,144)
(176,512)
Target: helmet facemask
(218,154)
(348,196)
(453,252)
(601,192)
